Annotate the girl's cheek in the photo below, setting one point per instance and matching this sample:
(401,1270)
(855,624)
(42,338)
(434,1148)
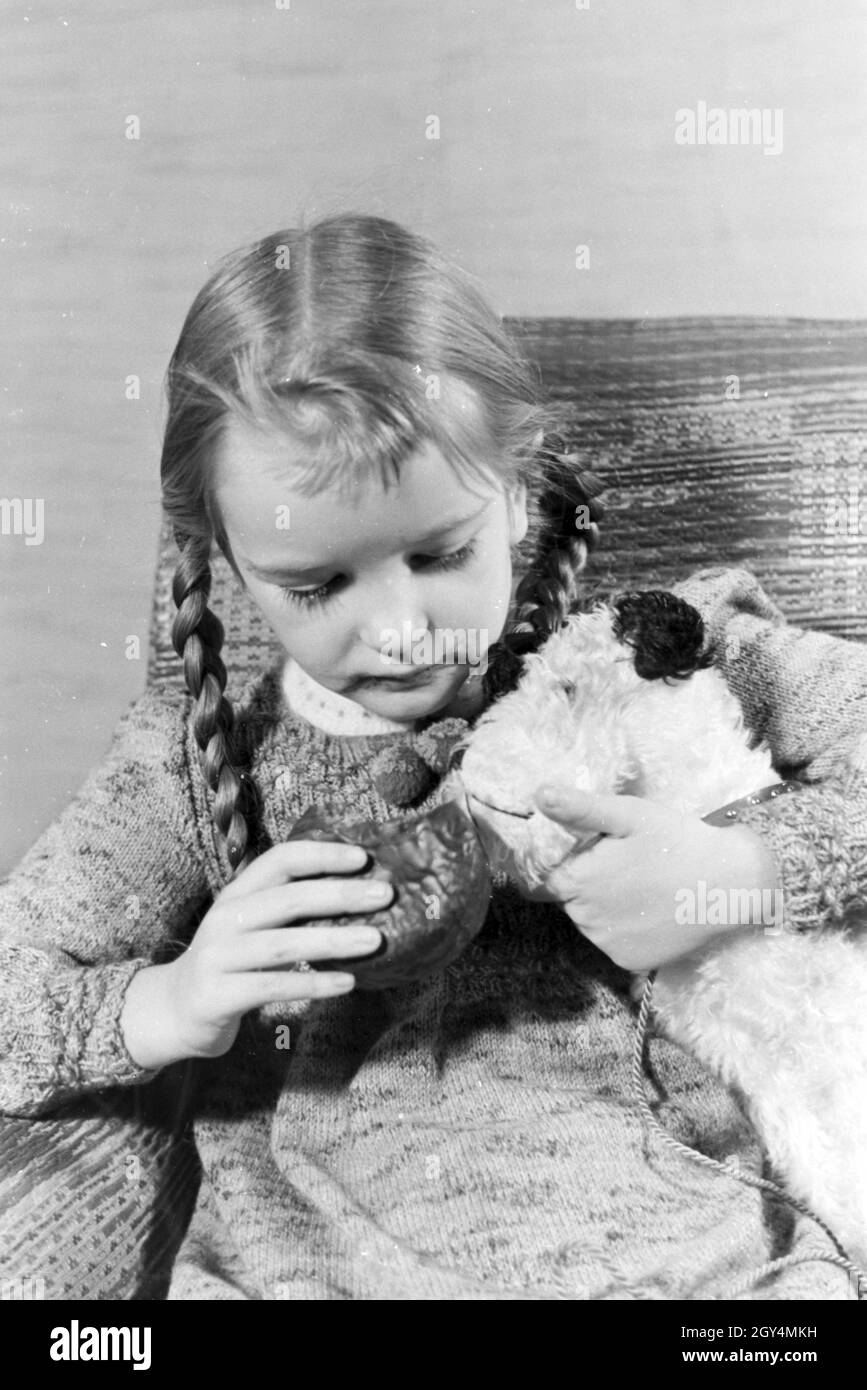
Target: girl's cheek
(488,593)
(319,650)
(302,633)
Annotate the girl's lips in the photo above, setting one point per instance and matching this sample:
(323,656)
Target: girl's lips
(421,676)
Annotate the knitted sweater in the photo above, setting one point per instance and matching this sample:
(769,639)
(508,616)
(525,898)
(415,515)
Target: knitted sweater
(473,1136)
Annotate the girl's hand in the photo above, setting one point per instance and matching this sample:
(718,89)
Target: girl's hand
(242,953)
(622,892)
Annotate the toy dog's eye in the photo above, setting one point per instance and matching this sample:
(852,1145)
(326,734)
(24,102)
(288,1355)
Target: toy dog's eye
(568,688)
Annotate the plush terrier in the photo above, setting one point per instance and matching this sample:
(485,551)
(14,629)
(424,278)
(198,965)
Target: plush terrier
(623,700)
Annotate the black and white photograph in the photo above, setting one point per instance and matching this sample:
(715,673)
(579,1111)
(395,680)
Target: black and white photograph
(433,556)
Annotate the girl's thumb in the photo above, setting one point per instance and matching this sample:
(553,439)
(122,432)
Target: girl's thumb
(577,810)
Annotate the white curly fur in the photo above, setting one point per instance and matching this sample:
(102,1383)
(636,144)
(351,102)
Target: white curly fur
(779,1016)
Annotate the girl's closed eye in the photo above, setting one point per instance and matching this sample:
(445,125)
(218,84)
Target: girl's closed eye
(311,598)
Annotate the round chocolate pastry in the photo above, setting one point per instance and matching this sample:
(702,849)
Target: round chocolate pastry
(442,888)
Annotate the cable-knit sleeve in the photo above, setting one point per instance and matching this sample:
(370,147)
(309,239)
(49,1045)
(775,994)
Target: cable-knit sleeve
(105,890)
(805,694)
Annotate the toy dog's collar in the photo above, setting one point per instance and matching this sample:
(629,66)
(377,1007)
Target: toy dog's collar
(731,813)
(724,815)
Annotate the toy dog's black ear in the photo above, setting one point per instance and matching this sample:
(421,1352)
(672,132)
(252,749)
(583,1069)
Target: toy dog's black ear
(665,632)
(506,663)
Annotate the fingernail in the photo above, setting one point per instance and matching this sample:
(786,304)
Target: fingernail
(339,984)
(363,938)
(377,892)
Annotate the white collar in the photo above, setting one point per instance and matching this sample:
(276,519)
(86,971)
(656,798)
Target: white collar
(333,713)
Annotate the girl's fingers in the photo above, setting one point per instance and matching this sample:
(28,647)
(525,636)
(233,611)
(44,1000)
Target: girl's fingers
(257,989)
(296,902)
(607,814)
(295,859)
(269,950)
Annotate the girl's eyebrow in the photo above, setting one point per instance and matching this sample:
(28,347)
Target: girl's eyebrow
(286,570)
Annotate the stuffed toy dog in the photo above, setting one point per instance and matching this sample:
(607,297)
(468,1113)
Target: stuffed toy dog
(622,700)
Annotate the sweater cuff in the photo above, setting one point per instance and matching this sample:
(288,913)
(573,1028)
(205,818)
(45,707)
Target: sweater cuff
(64,1039)
(818,837)
(102,1058)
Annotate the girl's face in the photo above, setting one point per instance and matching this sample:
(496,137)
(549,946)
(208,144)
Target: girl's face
(357,583)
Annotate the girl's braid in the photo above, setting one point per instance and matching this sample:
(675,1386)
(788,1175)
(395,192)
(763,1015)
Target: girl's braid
(566,530)
(197,636)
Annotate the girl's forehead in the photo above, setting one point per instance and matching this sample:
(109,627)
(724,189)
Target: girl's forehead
(260,499)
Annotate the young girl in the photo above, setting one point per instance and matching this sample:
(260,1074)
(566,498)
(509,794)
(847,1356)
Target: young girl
(352,425)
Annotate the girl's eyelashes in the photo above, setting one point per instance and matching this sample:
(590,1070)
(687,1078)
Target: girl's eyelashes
(309,598)
(314,598)
(454,559)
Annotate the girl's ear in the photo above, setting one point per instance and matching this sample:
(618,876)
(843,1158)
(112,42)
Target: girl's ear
(516,503)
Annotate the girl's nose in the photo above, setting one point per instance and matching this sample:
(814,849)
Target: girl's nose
(392,630)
